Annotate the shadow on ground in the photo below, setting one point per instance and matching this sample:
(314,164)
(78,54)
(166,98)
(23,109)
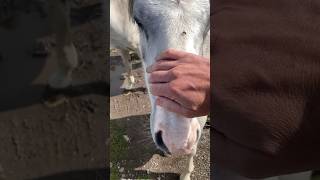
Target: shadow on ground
(34,94)
(93,174)
(132,147)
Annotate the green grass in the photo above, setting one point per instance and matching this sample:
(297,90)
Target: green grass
(119,148)
(114,175)
(143,177)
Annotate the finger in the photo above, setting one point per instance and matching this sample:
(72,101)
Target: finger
(171,54)
(173,106)
(162,65)
(161,89)
(167,90)
(160,77)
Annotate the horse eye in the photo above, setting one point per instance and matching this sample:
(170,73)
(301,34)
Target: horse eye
(138,22)
(141,27)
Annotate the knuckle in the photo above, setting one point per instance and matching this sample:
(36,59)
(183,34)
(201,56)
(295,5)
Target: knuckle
(175,73)
(194,108)
(170,51)
(173,88)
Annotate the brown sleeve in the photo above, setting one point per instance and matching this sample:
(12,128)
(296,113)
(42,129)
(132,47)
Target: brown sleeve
(266,86)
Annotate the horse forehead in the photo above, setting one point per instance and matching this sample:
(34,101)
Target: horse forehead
(164,11)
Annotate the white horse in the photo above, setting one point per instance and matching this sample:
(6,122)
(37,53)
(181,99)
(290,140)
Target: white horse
(64,53)
(59,20)
(152,26)
(124,35)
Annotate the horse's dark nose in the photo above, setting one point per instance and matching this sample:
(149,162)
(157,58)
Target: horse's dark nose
(160,143)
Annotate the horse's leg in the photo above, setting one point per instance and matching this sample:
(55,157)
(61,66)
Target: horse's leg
(64,53)
(125,56)
(189,168)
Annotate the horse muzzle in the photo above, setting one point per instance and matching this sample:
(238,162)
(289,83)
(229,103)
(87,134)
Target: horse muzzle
(172,142)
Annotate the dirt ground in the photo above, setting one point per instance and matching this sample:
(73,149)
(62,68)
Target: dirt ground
(133,153)
(48,134)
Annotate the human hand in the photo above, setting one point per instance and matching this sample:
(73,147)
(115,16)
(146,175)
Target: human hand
(181,82)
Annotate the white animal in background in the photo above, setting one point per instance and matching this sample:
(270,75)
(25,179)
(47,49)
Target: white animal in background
(64,53)
(124,35)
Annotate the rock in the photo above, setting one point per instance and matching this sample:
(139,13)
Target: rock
(126,137)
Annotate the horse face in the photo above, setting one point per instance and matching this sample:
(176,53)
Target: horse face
(178,24)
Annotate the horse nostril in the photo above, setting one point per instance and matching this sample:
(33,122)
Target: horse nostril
(160,142)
